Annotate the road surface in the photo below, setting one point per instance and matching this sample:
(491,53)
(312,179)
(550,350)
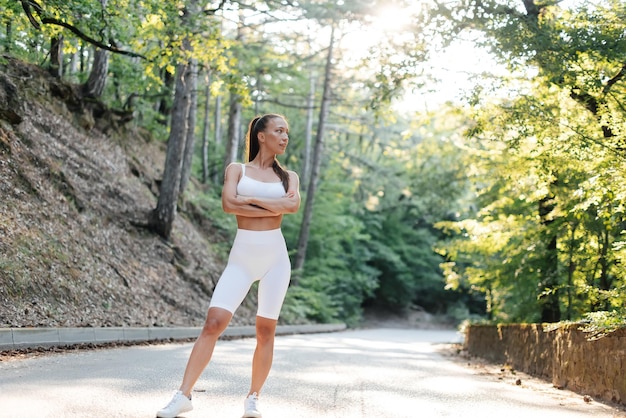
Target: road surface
(391,373)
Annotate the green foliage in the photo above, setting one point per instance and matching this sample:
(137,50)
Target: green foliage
(409,268)
(508,235)
(336,267)
(597,324)
(559,142)
(602,323)
(373,242)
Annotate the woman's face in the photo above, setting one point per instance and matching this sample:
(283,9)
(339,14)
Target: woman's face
(275,136)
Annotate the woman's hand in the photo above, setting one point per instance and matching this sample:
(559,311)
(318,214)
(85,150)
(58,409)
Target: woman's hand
(239,205)
(289,203)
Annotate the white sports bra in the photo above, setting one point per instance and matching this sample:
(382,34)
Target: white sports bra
(250,187)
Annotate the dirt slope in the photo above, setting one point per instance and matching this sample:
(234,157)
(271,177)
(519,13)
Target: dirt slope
(72,201)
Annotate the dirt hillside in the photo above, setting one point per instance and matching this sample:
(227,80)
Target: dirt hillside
(74,193)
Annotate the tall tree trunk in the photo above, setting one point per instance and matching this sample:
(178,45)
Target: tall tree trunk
(303,239)
(571,268)
(97,77)
(549,287)
(94,87)
(9,36)
(56,56)
(259,91)
(205,129)
(604,281)
(191,125)
(73,68)
(234,109)
(218,135)
(163,106)
(162,217)
(83,52)
(308,133)
(234,129)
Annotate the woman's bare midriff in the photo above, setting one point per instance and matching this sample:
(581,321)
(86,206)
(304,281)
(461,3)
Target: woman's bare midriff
(259,224)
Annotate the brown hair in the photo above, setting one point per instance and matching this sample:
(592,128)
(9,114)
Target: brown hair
(257,125)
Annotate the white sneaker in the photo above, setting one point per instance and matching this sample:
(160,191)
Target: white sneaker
(251,406)
(179,404)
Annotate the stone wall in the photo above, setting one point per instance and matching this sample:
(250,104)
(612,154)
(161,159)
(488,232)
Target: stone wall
(563,356)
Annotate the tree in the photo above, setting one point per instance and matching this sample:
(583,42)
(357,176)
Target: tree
(181,133)
(162,217)
(205,129)
(317,158)
(191,124)
(56,56)
(234,111)
(99,71)
(578,61)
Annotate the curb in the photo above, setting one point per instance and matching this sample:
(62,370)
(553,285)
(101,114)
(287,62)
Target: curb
(21,338)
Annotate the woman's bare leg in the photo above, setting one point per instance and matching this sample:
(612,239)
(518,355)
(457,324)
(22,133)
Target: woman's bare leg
(216,322)
(264,352)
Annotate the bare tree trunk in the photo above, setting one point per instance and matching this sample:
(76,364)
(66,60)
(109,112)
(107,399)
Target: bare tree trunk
(308,133)
(259,89)
(205,130)
(191,124)
(234,123)
(9,36)
(73,70)
(218,135)
(234,111)
(571,269)
(549,286)
(605,282)
(83,57)
(97,77)
(162,217)
(163,106)
(56,56)
(303,239)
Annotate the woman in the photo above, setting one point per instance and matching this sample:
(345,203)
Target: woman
(258,193)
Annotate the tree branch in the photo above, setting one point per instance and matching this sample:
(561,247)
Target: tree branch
(531,8)
(26,5)
(29,5)
(591,104)
(620,75)
(588,101)
(86,38)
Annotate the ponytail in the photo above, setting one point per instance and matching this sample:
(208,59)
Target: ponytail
(252,139)
(252,145)
(282,173)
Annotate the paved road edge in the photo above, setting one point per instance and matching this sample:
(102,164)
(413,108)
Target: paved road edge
(21,338)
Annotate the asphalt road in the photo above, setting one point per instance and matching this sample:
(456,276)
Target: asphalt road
(389,373)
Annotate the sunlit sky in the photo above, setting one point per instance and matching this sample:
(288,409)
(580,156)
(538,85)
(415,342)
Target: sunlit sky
(454,66)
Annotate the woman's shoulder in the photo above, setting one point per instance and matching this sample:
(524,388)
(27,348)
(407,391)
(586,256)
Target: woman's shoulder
(234,169)
(234,166)
(293,175)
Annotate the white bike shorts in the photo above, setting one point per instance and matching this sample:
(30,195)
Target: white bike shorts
(255,255)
